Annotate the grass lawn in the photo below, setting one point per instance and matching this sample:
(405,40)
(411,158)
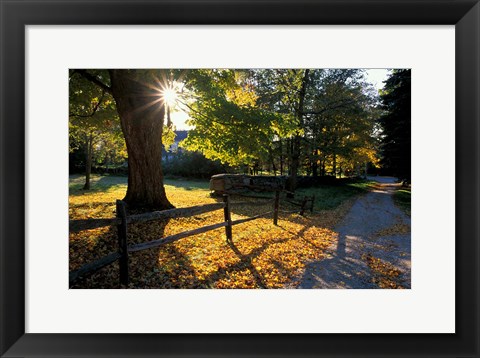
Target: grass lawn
(328,197)
(403,200)
(262,255)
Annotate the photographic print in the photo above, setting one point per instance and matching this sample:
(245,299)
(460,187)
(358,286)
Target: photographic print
(122,252)
(240,178)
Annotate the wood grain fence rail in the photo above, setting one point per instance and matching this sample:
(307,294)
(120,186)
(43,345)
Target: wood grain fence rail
(122,220)
(253,203)
(173,238)
(88,224)
(175,213)
(93,266)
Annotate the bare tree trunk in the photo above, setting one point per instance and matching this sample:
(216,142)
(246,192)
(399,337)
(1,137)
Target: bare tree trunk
(315,164)
(281,158)
(295,158)
(169,120)
(88,161)
(271,164)
(141,112)
(294,165)
(334,170)
(107,162)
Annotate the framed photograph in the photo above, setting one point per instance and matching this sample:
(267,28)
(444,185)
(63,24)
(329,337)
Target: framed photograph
(240,88)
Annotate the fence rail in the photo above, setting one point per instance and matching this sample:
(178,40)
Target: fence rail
(88,224)
(241,221)
(122,221)
(253,203)
(174,213)
(93,266)
(173,238)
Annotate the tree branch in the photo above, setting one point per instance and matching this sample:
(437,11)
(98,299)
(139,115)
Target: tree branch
(94,110)
(210,118)
(342,104)
(94,80)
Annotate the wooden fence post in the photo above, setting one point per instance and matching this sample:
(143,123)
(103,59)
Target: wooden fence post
(311,205)
(122,242)
(304,203)
(228,218)
(275,207)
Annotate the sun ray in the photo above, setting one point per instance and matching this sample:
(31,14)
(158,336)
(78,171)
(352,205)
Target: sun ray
(169,96)
(148,105)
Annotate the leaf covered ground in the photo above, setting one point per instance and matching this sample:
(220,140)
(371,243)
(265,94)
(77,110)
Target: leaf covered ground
(384,274)
(261,255)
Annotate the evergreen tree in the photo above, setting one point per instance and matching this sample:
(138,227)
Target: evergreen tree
(396,124)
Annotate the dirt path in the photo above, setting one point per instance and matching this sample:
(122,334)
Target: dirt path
(373,247)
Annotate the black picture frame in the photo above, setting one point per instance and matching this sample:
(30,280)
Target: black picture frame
(15,15)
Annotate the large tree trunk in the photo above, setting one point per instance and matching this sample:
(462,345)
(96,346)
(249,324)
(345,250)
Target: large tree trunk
(141,113)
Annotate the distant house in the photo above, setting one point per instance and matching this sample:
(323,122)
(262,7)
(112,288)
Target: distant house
(179,136)
(174,148)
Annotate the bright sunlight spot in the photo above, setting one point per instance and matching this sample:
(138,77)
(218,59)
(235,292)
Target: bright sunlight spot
(169,95)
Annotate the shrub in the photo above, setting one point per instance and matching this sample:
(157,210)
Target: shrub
(192,165)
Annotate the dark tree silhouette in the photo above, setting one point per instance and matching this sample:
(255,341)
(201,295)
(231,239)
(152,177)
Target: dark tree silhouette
(396,124)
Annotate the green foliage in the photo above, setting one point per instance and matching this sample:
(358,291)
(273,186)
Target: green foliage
(247,117)
(340,121)
(168,137)
(229,126)
(328,197)
(94,119)
(319,121)
(94,126)
(91,108)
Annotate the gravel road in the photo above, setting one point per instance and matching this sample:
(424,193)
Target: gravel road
(373,248)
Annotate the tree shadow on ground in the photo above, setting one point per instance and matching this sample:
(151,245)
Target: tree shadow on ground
(247,261)
(359,270)
(172,265)
(91,245)
(176,271)
(337,270)
(97,184)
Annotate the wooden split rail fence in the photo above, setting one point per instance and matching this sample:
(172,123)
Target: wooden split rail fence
(122,220)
